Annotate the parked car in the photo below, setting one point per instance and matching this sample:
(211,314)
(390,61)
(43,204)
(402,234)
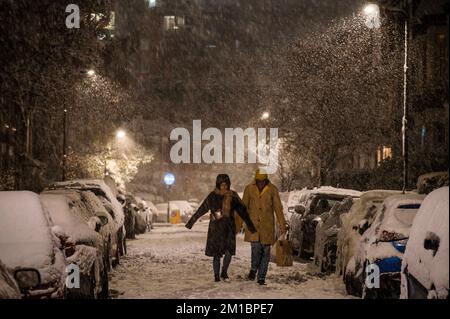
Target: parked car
(108,231)
(326,236)
(130,211)
(153,209)
(186,209)
(148,213)
(162,212)
(295,198)
(308,213)
(78,230)
(355,223)
(104,193)
(9,288)
(29,245)
(383,245)
(425,265)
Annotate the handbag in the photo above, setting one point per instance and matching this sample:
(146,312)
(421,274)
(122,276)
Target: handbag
(283,252)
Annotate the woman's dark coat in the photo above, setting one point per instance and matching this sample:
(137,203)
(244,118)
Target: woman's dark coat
(221,232)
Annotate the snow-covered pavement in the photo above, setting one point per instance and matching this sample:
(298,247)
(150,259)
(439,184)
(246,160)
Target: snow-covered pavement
(169,262)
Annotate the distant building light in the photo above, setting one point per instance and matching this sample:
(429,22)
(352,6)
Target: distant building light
(151,3)
(383,153)
(173,22)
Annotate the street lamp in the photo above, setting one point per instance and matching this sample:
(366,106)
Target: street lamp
(372,14)
(372,10)
(169,180)
(265,116)
(120,134)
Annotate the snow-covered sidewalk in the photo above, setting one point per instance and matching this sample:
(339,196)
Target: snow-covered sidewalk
(169,262)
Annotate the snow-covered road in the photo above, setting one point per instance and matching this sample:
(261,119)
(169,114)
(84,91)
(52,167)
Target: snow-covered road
(169,262)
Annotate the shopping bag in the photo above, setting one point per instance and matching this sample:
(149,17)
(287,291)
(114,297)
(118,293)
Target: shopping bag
(283,253)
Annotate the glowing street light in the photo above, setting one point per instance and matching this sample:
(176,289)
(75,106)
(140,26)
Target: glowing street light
(265,116)
(371,9)
(91,72)
(372,13)
(121,134)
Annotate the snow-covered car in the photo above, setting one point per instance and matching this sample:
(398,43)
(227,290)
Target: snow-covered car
(91,207)
(112,205)
(140,225)
(29,246)
(162,212)
(382,246)
(307,214)
(295,198)
(186,209)
(355,223)
(108,231)
(326,236)
(148,213)
(9,288)
(130,210)
(154,211)
(83,245)
(425,265)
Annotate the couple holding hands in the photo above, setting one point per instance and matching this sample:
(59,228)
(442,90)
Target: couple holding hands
(228,212)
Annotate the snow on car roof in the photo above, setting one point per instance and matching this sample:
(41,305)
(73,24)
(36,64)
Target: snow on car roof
(432,219)
(336,191)
(294,197)
(399,213)
(25,235)
(69,219)
(99,184)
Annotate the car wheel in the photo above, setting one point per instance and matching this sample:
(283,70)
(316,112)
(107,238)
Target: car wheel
(88,285)
(108,259)
(117,257)
(104,294)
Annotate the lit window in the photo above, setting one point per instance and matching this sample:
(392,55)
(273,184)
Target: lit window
(383,153)
(169,23)
(173,22)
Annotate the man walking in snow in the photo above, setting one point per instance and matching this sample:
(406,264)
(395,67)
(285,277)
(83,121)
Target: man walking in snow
(262,199)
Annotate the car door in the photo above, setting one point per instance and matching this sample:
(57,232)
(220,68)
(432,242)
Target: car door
(295,234)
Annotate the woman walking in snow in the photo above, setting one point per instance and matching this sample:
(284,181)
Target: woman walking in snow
(221,241)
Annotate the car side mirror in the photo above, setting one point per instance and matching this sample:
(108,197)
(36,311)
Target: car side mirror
(363,226)
(103,220)
(432,242)
(300,209)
